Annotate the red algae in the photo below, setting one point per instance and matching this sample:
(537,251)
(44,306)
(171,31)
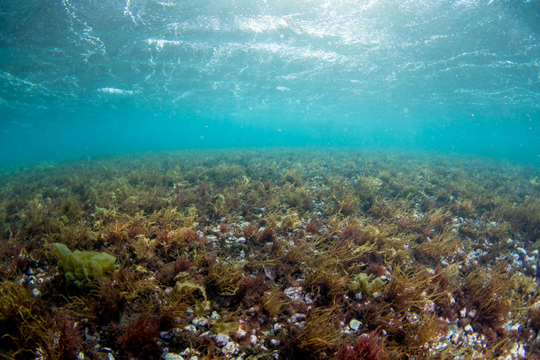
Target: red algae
(139,338)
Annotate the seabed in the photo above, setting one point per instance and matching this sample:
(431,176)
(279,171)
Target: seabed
(270,254)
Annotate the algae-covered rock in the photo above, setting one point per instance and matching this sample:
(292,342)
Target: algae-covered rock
(82,267)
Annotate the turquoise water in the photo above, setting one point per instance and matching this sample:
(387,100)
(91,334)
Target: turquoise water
(82,78)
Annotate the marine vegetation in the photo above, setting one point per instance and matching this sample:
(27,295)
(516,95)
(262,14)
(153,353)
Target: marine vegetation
(81,267)
(265,254)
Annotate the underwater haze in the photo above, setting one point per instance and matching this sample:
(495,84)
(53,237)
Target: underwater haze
(81,78)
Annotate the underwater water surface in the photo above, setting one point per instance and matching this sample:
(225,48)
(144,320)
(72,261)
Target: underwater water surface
(80,78)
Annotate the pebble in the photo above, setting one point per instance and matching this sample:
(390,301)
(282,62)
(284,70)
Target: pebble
(222,339)
(296,318)
(200,321)
(274,343)
(166,335)
(456,336)
(439,346)
(231,348)
(191,328)
(295,293)
(207,334)
(472,339)
(452,329)
(355,324)
(190,352)
(519,350)
(173,356)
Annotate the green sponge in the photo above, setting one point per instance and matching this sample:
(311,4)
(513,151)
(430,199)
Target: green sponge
(81,267)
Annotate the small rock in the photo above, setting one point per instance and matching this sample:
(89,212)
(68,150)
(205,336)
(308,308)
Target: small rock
(215,316)
(222,339)
(452,329)
(296,318)
(231,348)
(521,351)
(471,339)
(355,324)
(439,346)
(274,343)
(200,321)
(456,337)
(277,327)
(165,335)
(190,328)
(295,293)
(173,356)
(240,333)
(190,352)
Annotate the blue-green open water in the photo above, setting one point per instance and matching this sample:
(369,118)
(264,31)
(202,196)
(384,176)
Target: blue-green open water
(81,78)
